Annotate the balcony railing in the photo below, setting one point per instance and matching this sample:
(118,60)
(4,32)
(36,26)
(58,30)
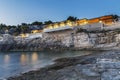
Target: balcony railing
(57,29)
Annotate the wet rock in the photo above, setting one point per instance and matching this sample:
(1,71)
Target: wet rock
(111,74)
(109,64)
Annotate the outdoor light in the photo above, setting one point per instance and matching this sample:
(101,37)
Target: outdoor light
(85,22)
(100,21)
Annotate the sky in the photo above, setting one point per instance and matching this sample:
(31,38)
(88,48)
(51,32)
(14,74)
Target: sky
(13,12)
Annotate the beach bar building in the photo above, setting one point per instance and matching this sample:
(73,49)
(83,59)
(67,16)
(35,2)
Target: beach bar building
(89,24)
(58,26)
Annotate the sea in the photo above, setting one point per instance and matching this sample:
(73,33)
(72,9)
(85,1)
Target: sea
(16,63)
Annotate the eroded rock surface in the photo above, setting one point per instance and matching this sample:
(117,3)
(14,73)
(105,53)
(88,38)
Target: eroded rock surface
(104,66)
(102,40)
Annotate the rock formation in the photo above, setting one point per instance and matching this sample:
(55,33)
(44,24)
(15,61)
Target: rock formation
(97,40)
(103,66)
(7,43)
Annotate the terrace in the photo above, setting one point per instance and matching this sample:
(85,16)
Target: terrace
(59,26)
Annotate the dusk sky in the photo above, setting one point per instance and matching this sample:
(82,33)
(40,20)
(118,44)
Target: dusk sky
(13,12)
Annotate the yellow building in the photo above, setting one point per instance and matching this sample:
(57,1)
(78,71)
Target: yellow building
(106,20)
(36,31)
(24,35)
(59,25)
(82,22)
(62,24)
(94,20)
(55,25)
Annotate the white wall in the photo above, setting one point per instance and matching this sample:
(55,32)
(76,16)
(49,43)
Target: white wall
(35,35)
(92,27)
(58,29)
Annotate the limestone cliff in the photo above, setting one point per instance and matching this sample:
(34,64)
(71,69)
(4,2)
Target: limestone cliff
(103,40)
(7,42)
(97,40)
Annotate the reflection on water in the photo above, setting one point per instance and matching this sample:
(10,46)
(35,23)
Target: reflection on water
(34,57)
(6,59)
(12,63)
(23,59)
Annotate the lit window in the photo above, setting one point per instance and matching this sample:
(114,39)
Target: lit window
(56,25)
(62,24)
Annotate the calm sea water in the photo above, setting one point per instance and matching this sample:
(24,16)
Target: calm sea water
(14,63)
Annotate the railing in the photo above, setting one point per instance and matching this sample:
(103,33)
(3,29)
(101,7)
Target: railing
(57,29)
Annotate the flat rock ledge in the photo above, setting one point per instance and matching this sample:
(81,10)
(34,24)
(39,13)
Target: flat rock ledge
(104,66)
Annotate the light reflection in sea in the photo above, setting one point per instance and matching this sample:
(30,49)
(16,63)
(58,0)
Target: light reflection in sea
(34,57)
(23,59)
(6,59)
(12,63)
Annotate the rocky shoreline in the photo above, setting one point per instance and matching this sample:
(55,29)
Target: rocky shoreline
(104,66)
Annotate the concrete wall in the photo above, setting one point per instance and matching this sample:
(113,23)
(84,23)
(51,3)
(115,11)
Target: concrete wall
(35,35)
(91,27)
(58,29)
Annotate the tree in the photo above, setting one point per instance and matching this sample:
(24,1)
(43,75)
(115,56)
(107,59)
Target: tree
(37,23)
(24,24)
(71,18)
(3,28)
(24,28)
(48,22)
(116,17)
(18,29)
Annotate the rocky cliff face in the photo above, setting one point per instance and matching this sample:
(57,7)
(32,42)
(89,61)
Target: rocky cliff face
(7,42)
(98,40)
(101,40)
